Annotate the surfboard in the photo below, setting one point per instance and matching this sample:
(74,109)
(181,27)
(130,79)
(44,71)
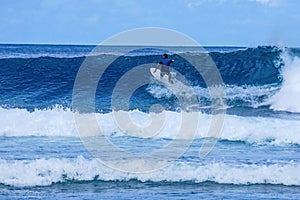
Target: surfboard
(177,86)
(156,75)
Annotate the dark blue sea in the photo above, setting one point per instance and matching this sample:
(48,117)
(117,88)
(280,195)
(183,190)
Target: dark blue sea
(65,137)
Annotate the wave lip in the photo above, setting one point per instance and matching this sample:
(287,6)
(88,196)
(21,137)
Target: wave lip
(288,97)
(44,172)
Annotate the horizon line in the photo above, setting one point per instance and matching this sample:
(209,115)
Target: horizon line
(90,44)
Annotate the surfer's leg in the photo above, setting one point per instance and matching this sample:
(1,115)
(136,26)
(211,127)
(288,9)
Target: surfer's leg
(170,78)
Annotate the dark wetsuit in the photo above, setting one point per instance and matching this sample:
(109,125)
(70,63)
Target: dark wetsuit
(165,63)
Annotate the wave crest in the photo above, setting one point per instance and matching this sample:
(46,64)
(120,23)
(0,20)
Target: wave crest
(43,172)
(288,97)
(60,122)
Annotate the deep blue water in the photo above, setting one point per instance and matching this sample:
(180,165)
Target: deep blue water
(43,154)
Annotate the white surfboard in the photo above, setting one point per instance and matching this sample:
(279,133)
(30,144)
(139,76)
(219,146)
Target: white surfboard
(177,87)
(156,75)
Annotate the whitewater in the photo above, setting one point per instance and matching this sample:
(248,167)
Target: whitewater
(59,122)
(42,151)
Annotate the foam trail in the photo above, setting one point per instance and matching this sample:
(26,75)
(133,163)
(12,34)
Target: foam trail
(247,95)
(288,97)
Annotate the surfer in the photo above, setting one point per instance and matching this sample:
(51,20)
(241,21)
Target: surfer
(165,66)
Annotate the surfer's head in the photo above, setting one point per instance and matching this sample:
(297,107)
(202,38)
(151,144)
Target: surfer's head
(165,55)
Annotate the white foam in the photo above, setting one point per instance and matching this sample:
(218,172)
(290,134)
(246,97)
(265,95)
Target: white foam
(60,122)
(252,96)
(261,130)
(43,172)
(159,91)
(20,122)
(288,97)
(247,95)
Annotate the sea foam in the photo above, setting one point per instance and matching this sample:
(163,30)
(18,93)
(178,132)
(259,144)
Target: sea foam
(43,172)
(60,122)
(288,97)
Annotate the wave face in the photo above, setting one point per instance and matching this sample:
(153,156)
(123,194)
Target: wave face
(45,82)
(253,66)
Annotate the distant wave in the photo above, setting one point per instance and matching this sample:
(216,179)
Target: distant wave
(43,172)
(74,51)
(27,51)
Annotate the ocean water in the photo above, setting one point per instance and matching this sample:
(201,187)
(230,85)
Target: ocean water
(43,155)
